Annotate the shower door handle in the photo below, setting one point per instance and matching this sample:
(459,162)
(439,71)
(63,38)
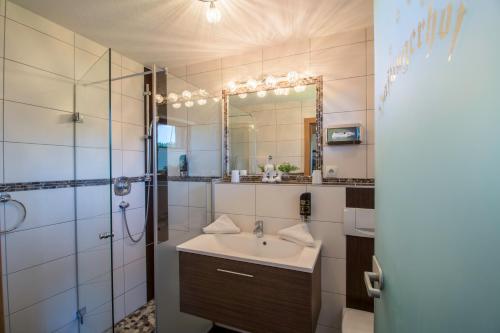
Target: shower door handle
(375,276)
(105,235)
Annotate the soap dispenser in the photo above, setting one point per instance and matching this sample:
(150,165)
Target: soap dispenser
(305,206)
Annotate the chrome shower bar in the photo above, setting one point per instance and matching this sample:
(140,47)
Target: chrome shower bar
(127,76)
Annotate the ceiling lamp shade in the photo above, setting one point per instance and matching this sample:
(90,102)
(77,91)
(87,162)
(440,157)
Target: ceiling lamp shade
(213,13)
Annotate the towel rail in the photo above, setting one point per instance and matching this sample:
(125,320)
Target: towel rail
(5,198)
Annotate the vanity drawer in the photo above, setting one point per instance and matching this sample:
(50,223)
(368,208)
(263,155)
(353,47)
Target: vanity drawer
(247,296)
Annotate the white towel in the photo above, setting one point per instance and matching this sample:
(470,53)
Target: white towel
(223,225)
(298,233)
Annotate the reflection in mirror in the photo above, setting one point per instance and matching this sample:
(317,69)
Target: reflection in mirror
(275,126)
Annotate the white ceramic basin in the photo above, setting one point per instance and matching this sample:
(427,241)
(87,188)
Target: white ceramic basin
(268,250)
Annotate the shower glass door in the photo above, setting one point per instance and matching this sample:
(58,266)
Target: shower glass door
(93,193)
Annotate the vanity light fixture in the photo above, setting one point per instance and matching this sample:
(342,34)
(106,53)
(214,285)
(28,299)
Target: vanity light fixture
(189,104)
(172,97)
(176,105)
(242,96)
(159,98)
(213,13)
(292,77)
(252,84)
(270,81)
(216,99)
(201,101)
(186,94)
(231,85)
(261,93)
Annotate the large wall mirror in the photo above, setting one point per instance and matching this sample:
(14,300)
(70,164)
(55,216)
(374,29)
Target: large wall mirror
(282,123)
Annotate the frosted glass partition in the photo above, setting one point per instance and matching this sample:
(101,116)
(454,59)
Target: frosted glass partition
(437,165)
(184,202)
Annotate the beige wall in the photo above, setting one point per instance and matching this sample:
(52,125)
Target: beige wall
(344,60)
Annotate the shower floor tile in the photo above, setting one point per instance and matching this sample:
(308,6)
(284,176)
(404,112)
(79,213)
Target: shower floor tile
(141,320)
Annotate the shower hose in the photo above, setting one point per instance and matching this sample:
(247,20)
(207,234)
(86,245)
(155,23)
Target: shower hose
(123,206)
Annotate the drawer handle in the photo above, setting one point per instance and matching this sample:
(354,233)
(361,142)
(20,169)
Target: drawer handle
(234,273)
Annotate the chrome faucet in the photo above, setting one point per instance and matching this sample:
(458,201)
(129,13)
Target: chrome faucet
(259,229)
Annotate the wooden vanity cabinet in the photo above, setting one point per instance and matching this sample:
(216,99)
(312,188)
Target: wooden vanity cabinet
(250,297)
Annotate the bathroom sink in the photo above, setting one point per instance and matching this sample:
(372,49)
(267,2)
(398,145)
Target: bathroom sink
(268,250)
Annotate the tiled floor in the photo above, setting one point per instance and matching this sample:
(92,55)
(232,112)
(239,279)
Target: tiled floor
(143,321)
(140,321)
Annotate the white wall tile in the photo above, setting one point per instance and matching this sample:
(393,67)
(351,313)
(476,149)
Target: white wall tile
(133,163)
(241,73)
(92,100)
(332,236)
(281,66)
(45,207)
(46,316)
(30,162)
(344,95)
(119,307)
(242,59)
(209,81)
(370,161)
(370,92)
(93,262)
(35,246)
(351,160)
(132,66)
(2,29)
(328,203)
(28,46)
(135,274)
(133,251)
(132,111)
(333,275)
(197,194)
(288,48)
(92,163)
(29,124)
(197,218)
(339,39)
(92,132)
(133,137)
(331,309)
(340,62)
(178,193)
(32,86)
(370,127)
(278,200)
(133,86)
(98,320)
(205,163)
(88,230)
(205,66)
(83,63)
(178,218)
(205,137)
(135,298)
(35,284)
(96,292)
(235,199)
(24,16)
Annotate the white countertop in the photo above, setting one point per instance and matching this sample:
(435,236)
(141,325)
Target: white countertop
(268,250)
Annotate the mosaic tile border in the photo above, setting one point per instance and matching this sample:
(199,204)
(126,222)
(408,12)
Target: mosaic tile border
(46,185)
(300,179)
(200,179)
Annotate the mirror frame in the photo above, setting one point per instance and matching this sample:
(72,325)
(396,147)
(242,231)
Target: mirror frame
(317,80)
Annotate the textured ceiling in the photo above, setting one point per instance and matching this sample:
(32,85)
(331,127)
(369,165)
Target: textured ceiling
(175,32)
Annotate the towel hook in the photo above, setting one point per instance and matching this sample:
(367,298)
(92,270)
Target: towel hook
(4,198)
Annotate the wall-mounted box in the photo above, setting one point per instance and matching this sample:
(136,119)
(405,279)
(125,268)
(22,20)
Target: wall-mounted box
(344,134)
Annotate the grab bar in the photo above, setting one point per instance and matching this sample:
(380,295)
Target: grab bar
(4,198)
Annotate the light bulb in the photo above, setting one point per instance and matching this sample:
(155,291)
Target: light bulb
(172,97)
(215,99)
(261,93)
(213,14)
(292,77)
(176,105)
(252,84)
(286,91)
(231,85)
(299,88)
(278,91)
(270,81)
(242,96)
(203,93)
(186,94)
(202,101)
(159,98)
(189,104)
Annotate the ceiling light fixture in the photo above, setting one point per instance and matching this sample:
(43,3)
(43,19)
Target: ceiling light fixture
(213,13)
